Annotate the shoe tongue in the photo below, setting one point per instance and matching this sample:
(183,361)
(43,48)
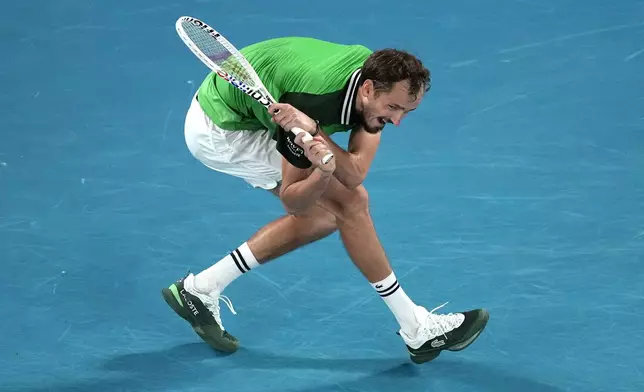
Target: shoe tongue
(410,330)
(420,313)
(214,293)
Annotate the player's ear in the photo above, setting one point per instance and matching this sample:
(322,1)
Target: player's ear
(368,88)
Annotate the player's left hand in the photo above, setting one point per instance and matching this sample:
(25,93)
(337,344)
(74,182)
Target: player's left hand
(287,117)
(315,150)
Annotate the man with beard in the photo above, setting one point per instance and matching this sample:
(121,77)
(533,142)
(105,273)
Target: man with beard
(322,88)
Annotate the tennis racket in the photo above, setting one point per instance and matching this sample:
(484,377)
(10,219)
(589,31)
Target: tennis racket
(214,50)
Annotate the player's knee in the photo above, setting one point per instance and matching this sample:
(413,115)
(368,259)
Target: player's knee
(346,203)
(357,202)
(326,223)
(316,222)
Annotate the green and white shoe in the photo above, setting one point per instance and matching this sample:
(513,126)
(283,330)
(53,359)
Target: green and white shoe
(202,312)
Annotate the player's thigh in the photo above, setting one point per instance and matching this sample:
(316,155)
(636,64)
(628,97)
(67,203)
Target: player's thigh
(249,155)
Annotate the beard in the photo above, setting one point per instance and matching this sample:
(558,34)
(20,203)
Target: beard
(362,121)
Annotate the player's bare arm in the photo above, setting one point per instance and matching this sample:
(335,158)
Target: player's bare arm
(352,164)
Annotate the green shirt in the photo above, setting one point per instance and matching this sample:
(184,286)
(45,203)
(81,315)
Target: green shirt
(317,77)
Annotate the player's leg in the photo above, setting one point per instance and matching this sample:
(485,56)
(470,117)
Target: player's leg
(275,239)
(196,297)
(252,157)
(290,232)
(425,333)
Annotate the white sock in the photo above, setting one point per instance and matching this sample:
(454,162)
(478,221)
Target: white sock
(223,272)
(398,302)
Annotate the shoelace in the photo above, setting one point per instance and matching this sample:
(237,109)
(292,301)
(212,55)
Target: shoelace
(440,324)
(213,306)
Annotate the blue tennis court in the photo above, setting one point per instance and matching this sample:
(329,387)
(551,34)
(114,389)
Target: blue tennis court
(518,186)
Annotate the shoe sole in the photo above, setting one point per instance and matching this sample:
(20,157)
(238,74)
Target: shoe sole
(478,326)
(420,359)
(210,334)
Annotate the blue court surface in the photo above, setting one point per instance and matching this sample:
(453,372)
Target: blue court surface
(517,186)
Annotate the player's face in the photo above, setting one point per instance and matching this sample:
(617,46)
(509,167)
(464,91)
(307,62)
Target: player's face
(379,108)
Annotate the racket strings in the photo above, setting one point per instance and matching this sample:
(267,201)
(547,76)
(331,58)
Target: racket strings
(217,52)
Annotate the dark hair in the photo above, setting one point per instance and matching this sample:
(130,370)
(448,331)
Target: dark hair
(388,66)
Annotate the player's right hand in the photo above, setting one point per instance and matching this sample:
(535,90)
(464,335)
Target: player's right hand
(315,150)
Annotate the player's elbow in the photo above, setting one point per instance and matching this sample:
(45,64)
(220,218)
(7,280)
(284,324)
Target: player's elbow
(355,176)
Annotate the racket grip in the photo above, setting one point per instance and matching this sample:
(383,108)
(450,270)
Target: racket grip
(307,138)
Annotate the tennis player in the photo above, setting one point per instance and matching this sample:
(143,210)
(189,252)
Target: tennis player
(322,88)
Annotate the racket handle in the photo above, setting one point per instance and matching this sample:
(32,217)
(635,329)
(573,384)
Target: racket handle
(307,138)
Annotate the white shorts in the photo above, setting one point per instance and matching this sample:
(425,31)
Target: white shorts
(250,155)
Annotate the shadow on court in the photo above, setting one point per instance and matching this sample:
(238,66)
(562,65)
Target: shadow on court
(187,363)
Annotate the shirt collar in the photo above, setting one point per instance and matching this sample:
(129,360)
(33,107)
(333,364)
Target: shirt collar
(348,105)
